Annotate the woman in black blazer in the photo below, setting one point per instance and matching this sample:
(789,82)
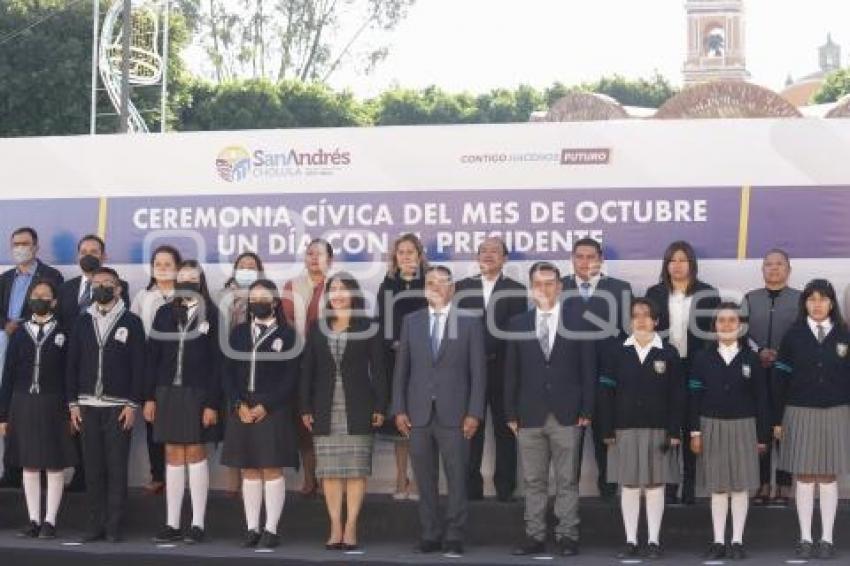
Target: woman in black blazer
(343,396)
(685,308)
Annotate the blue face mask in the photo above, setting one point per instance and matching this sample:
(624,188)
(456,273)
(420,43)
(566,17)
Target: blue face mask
(244,277)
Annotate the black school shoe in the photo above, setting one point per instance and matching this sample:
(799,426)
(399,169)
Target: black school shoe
(269,540)
(805,550)
(250,539)
(567,546)
(629,551)
(168,534)
(654,551)
(737,551)
(30,531)
(715,551)
(825,550)
(530,546)
(47,531)
(195,535)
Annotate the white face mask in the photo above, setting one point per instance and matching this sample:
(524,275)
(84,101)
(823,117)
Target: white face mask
(22,254)
(244,277)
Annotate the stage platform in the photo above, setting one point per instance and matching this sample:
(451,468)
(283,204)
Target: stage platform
(388,531)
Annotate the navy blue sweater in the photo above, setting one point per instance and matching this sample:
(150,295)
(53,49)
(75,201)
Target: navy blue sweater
(641,395)
(812,374)
(736,391)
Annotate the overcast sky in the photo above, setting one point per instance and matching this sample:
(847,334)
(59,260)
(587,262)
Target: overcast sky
(477,45)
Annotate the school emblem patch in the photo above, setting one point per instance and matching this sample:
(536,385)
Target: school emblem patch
(746,371)
(59,340)
(277,345)
(660,367)
(204,327)
(841,350)
(121,335)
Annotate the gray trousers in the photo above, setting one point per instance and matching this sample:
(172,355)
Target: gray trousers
(427,444)
(557,445)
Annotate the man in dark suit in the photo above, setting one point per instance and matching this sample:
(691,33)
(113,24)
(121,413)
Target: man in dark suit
(598,304)
(75,294)
(74,300)
(550,381)
(439,387)
(496,298)
(15,286)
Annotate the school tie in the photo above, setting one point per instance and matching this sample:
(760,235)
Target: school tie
(821,334)
(585,291)
(40,335)
(261,330)
(543,333)
(435,333)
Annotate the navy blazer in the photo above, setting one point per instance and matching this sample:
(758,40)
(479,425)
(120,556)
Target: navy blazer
(68,309)
(609,292)
(564,385)
(500,309)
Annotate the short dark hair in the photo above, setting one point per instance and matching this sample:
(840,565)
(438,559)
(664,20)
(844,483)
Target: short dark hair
(92,238)
(321,241)
(26,230)
(646,302)
(781,252)
(589,242)
(106,271)
(544,266)
(500,240)
(44,282)
(441,268)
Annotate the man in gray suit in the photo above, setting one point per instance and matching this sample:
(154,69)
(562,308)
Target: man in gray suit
(439,389)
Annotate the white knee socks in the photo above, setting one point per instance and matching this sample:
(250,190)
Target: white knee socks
(654,512)
(740,505)
(32,493)
(719,511)
(252,498)
(275,496)
(828,506)
(805,498)
(630,506)
(199,486)
(175,485)
(55,487)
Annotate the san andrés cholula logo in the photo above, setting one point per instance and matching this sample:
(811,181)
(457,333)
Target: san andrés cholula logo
(236,163)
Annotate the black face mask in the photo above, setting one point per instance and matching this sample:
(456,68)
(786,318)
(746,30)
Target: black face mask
(40,307)
(89,263)
(102,295)
(188,289)
(261,310)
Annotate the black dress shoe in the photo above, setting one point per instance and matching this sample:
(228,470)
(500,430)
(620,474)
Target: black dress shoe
(715,551)
(427,547)
(30,531)
(805,550)
(567,546)
(737,552)
(168,534)
(530,546)
(47,531)
(196,535)
(93,536)
(269,540)
(334,546)
(629,551)
(825,550)
(350,547)
(453,548)
(654,551)
(250,539)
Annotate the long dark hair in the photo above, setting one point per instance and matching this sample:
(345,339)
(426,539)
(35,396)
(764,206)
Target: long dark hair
(202,278)
(825,288)
(164,249)
(688,250)
(358,303)
(261,271)
(742,319)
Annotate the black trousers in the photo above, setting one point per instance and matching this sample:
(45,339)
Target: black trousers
(783,478)
(504,474)
(689,459)
(156,456)
(106,450)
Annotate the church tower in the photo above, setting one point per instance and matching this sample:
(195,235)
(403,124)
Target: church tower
(716,41)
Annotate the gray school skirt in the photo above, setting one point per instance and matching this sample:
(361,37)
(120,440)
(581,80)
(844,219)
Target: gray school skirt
(815,440)
(642,457)
(729,459)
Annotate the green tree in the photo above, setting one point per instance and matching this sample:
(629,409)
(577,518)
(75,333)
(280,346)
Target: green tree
(45,69)
(836,85)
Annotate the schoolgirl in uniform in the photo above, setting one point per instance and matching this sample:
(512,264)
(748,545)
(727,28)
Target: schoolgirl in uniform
(183,394)
(730,422)
(261,377)
(811,392)
(641,412)
(33,408)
